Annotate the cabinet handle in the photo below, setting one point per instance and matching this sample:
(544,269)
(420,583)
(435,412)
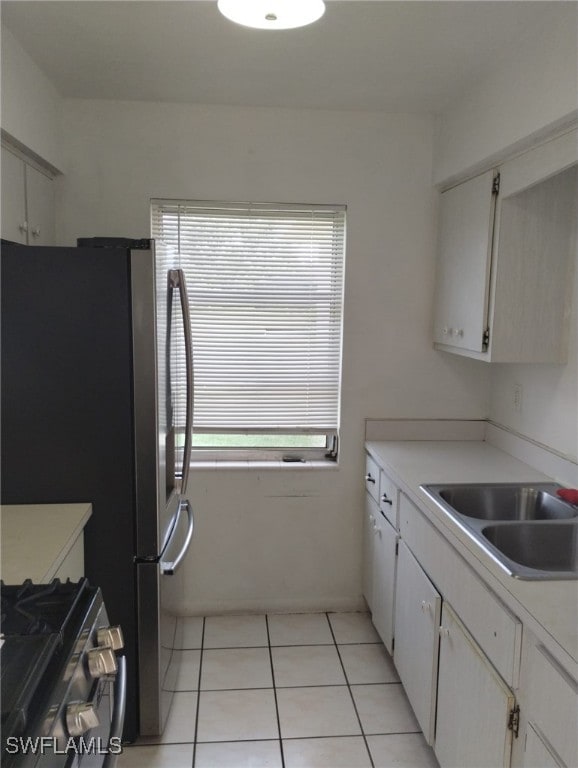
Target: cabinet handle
(425,607)
(36,232)
(385,500)
(23,227)
(444,632)
(459,332)
(447,331)
(369,478)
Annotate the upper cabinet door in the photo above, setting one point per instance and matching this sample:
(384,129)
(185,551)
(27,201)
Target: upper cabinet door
(14,224)
(27,202)
(466,223)
(40,206)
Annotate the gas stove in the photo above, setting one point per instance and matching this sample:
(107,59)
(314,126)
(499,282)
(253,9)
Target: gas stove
(62,682)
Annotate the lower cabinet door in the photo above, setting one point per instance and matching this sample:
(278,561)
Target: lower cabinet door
(417,619)
(369,523)
(537,754)
(384,568)
(474,703)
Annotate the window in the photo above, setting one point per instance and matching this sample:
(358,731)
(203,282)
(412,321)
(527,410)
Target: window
(265,289)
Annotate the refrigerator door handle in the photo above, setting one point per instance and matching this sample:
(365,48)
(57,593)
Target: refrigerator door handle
(170,568)
(177,280)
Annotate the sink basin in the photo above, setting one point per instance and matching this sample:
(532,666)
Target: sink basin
(547,547)
(506,502)
(524,527)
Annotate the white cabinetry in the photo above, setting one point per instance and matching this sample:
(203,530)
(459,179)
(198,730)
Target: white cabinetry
(505,260)
(466,223)
(417,620)
(551,709)
(379,556)
(371,510)
(464,692)
(384,574)
(473,705)
(537,754)
(27,202)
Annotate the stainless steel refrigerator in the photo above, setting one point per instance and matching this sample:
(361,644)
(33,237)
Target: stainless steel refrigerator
(95,345)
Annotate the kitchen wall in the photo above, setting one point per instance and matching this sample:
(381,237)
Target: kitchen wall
(289,538)
(30,103)
(533,90)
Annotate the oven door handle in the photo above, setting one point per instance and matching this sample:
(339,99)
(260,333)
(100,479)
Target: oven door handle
(117,723)
(169,568)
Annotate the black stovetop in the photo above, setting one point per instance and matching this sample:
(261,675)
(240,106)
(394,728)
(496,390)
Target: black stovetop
(41,609)
(40,624)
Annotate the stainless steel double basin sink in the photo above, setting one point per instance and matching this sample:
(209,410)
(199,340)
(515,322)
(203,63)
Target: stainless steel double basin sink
(524,527)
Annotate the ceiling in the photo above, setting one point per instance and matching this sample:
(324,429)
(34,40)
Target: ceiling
(363,54)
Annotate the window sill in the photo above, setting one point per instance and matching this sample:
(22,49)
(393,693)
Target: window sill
(276,464)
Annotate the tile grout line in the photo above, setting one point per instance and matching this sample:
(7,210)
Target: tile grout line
(275,691)
(350,693)
(198,697)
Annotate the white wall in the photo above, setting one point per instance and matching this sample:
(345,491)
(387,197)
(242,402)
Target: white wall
(289,538)
(549,409)
(30,103)
(532,89)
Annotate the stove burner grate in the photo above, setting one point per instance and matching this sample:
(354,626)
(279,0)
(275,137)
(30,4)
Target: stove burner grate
(39,609)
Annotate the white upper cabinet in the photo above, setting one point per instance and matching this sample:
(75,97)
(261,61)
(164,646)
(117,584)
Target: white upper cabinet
(506,258)
(14,222)
(27,202)
(466,221)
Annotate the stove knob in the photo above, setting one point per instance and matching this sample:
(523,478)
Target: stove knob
(110,636)
(101,661)
(80,718)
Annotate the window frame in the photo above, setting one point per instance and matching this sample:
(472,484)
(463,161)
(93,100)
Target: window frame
(292,456)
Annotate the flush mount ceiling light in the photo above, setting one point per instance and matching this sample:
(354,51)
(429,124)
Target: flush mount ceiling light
(272,14)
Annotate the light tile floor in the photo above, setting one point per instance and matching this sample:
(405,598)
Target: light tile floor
(285,691)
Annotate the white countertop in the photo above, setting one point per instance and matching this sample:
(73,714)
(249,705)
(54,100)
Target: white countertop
(549,608)
(37,537)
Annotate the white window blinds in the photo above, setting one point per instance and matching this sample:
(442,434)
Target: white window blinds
(265,287)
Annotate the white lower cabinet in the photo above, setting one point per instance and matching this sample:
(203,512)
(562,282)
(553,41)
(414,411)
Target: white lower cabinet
(537,754)
(379,567)
(488,691)
(551,708)
(473,703)
(371,511)
(380,550)
(417,619)
(384,574)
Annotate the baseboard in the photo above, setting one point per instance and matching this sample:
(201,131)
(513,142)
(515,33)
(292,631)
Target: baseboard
(268,605)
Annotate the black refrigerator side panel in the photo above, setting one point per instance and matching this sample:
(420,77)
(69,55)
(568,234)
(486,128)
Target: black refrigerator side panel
(67,424)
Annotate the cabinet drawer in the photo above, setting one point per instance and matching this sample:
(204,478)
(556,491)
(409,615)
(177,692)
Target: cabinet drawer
(372,478)
(388,499)
(497,631)
(553,704)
